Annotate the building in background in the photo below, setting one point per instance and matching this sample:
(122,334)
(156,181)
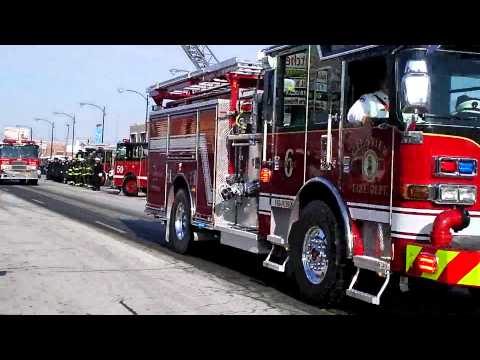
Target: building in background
(44,148)
(137,133)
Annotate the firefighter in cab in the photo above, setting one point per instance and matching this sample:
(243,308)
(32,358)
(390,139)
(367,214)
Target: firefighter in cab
(372,105)
(98,174)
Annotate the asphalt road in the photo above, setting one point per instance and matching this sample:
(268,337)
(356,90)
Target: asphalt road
(91,252)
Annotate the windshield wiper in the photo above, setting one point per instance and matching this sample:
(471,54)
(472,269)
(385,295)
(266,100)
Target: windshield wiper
(451,117)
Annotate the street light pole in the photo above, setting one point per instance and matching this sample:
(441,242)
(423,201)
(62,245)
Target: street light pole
(72,117)
(120,90)
(66,140)
(53,126)
(103,122)
(103,110)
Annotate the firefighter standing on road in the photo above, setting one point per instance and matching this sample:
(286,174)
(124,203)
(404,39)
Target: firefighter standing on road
(70,165)
(79,173)
(97,174)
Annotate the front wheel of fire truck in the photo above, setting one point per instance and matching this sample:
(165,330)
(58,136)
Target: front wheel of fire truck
(130,186)
(316,254)
(180,232)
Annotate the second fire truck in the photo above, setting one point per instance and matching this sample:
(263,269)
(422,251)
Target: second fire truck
(19,157)
(262,157)
(130,169)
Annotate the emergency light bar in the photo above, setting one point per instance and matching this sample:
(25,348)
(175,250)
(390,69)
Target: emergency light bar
(456,167)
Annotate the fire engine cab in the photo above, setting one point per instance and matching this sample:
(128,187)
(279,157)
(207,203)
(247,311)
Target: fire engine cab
(131,167)
(265,158)
(19,161)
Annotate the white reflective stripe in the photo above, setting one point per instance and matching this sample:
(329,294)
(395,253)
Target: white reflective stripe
(422,224)
(411,223)
(370,215)
(264,213)
(402,209)
(284,196)
(370,206)
(411,237)
(142,177)
(415,210)
(118,176)
(264,204)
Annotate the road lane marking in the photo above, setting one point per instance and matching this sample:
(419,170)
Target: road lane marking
(38,201)
(110,227)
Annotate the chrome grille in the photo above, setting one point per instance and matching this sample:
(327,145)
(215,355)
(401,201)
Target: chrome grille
(19,167)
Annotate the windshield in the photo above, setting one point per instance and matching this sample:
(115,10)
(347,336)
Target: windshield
(455,85)
(121,153)
(19,152)
(131,151)
(9,152)
(28,151)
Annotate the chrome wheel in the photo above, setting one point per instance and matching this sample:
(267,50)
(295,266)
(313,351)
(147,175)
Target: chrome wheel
(314,255)
(180,221)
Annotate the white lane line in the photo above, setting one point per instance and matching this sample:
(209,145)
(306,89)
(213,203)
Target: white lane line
(110,227)
(38,201)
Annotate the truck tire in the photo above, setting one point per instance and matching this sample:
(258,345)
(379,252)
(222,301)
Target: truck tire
(317,255)
(130,186)
(180,232)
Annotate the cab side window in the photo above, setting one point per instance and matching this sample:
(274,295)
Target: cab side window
(324,91)
(366,76)
(292,92)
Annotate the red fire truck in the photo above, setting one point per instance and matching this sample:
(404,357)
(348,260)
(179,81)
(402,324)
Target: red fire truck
(19,161)
(264,158)
(131,167)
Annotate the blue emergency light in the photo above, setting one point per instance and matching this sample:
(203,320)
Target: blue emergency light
(467,167)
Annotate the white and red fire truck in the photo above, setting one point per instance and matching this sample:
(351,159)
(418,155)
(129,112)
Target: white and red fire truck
(262,157)
(19,157)
(131,167)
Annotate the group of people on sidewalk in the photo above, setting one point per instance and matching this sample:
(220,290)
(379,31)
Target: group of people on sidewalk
(84,172)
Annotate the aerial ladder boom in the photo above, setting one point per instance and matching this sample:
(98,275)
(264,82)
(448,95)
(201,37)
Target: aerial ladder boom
(200,55)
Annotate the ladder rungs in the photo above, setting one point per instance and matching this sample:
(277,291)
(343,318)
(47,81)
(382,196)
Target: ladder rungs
(363,296)
(274,266)
(277,240)
(371,263)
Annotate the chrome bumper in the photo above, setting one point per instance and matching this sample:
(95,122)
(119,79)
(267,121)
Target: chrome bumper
(19,174)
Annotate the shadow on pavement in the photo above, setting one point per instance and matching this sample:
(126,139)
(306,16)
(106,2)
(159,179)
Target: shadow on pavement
(207,256)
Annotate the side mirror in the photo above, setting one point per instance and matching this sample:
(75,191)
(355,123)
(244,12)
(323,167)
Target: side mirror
(416,88)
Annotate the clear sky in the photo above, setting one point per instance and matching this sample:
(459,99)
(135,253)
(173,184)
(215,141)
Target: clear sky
(37,80)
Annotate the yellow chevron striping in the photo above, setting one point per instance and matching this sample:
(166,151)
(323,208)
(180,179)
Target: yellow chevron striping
(472,278)
(443,259)
(412,252)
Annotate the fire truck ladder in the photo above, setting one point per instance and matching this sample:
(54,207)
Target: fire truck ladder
(200,55)
(381,267)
